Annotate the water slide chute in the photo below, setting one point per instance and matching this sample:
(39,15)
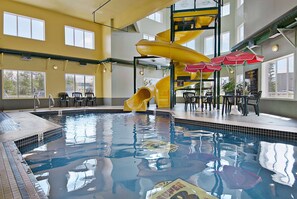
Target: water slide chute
(162,47)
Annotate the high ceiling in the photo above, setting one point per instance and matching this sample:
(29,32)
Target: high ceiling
(123,12)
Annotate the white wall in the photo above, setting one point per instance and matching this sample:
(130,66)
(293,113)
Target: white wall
(123,45)
(260,13)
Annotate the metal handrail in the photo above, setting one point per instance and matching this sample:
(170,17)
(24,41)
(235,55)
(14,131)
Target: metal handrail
(51,101)
(36,102)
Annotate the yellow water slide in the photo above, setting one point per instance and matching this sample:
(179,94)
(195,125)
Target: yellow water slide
(162,47)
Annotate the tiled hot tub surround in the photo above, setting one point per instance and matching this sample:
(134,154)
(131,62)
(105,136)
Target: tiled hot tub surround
(241,129)
(17,178)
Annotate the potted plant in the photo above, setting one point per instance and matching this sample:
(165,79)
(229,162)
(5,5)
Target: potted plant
(229,87)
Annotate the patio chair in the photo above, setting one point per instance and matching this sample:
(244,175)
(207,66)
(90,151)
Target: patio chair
(254,101)
(207,100)
(77,98)
(63,97)
(90,98)
(189,100)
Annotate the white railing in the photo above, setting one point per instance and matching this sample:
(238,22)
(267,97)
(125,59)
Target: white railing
(36,102)
(51,101)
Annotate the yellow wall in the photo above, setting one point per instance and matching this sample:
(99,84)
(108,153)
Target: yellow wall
(55,79)
(54,44)
(54,32)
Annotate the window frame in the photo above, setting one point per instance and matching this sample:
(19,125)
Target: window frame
(32,92)
(265,82)
(148,37)
(18,34)
(191,44)
(75,83)
(82,41)
(155,17)
(238,31)
(212,48)
(222,42)
(224,8)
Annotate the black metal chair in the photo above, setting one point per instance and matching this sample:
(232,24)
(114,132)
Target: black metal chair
(188,98)
(77,98)
(254,101)
(207,100)
(90,98)
(63,97)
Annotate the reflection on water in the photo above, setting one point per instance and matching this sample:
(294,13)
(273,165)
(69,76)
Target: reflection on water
(126,155)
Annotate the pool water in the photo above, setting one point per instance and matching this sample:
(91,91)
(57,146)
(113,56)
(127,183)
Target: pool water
(127,155)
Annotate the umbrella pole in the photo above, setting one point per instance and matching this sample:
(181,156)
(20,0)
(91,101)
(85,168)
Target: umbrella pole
(234,110)
(200,98)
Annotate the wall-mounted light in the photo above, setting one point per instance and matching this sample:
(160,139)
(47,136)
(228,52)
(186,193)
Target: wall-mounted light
(106,67)
(275,48)
(141,72)
(55,67)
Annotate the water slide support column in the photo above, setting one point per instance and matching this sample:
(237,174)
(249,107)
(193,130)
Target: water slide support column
(172,34)
(219,52)
(134,74)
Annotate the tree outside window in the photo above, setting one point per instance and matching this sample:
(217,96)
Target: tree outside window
(278,78)
(23,84)
(79,83)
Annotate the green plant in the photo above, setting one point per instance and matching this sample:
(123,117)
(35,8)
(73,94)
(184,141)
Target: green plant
(230,86)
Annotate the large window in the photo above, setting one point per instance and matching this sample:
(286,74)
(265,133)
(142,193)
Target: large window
(209,45)
(156,17)
(79,38)
(240,33)
(225,37)
(79,83)
(23,84)
(190,44)
(225,9)
(278,78)
(22,26)
(148,37)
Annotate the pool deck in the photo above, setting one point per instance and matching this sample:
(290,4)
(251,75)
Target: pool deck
(17,180)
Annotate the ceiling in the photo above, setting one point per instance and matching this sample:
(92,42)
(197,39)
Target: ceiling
(123,12)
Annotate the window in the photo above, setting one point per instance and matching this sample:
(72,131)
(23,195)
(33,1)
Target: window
(190,44)
(239,3)
(22,26)
(240,33)
(225,9)
(23,84)
(79,83)
(156,17)
(148,37)
(79,38)
(225,42)
(209,45)
(278,78)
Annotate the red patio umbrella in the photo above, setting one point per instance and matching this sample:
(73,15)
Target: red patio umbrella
(202,67)
(237,58)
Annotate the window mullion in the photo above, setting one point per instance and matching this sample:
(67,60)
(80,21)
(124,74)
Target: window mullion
(31,29)
(18,89)
(84,39)
(73,36)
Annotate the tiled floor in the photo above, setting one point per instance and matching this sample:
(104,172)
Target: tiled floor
(16,181)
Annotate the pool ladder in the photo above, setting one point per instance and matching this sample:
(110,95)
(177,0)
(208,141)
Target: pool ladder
(51,101)
(36,102)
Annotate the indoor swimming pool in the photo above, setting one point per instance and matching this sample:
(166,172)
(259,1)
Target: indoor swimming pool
(135,155)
